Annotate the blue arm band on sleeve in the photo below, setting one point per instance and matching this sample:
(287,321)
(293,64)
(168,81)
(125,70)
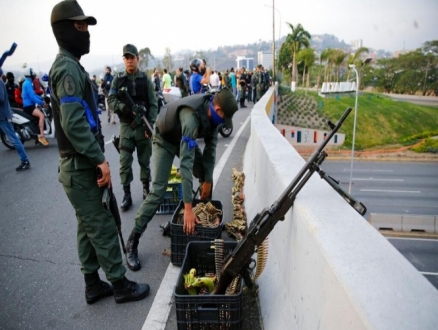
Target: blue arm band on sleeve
(88,113)
(190,142)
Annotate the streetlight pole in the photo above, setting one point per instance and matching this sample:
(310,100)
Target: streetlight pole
(273,40)
(352,66)
(273,35)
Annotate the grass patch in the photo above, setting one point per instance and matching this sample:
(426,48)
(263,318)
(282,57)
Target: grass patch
(380,120)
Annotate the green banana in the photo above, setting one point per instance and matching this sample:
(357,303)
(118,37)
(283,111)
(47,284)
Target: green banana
(189,278)
(207,282)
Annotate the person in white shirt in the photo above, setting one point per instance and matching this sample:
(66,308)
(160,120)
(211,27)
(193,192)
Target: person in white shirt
(214,80)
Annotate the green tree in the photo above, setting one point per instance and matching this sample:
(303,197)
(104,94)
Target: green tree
(297,39)
(356,59)
(145,55)
(167,59)
(307,56)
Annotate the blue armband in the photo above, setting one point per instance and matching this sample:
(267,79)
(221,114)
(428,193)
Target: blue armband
(191,143)
(88,113)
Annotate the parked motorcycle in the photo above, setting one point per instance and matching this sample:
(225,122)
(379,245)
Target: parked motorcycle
(26,126)
(173,93)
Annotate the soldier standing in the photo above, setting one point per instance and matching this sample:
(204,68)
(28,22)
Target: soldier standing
(81,146)
(132,131)
(178,126)
(242,84)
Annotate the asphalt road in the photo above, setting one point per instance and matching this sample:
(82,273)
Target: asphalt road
(41,284)
(396,188)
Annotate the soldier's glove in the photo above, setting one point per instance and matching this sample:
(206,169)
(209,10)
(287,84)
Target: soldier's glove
(206,191)
(126,110)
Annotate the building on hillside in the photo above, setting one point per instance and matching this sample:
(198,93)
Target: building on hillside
(397,53)
(356,44)
(265,59)
(247,62)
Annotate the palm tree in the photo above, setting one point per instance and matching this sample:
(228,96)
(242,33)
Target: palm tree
(297,39)
(354,58)
(308,57)
(338,59)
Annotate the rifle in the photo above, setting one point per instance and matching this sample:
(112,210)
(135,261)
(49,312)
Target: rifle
(115,140)
(139,110)
(238,261)
(109,202)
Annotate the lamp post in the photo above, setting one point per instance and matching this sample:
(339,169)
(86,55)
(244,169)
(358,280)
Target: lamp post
(279,27)
(352,66)
(273,37)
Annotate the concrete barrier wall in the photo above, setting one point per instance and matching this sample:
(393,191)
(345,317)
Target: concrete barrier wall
(327,267)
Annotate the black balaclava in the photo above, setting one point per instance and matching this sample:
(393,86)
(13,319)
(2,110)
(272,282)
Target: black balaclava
(71,39)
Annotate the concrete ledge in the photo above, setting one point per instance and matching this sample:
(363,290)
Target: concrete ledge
(418,223)
(327,267)
(386,221)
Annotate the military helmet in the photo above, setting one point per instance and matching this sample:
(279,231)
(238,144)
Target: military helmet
(70,9)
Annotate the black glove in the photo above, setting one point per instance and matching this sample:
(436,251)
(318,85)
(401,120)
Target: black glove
(126,110)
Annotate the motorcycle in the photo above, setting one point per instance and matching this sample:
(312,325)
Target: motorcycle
(173,93)
(26,126)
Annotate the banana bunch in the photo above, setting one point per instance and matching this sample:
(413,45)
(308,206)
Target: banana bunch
(194,284)
(175,176)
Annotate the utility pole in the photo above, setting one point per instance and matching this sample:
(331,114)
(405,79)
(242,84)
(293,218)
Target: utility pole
(273,40)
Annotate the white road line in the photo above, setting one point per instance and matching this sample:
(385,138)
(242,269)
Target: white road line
(160,309)
(371,179)
(393,191)
(427,273)
(414,239)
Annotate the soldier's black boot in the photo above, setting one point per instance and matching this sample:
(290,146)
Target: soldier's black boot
(126,290)
(146,189)
(95,288)
(132,252)
(127,200)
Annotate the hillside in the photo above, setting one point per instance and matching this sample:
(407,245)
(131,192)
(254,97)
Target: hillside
(380,120)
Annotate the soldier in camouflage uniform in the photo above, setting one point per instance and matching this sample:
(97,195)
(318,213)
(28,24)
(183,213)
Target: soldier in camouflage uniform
(178,126)
(132,131)
(81,147)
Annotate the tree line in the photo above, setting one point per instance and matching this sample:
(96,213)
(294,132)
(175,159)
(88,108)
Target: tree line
(412,73)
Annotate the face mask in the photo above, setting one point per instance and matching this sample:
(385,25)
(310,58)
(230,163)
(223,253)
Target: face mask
(215,118)
(69,38)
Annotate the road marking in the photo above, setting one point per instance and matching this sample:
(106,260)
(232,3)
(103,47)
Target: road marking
(348,170)
(414,239)
(393,191)
(427,273)
(371,179)
(161,306)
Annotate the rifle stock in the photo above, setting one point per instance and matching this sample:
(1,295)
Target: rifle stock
(238,261)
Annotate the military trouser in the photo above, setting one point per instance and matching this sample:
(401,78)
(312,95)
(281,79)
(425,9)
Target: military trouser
(163,160)
(97,238)
(259,92)
(242,95)
(130,140)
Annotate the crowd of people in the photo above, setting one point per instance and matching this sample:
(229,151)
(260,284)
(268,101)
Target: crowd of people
(83,169)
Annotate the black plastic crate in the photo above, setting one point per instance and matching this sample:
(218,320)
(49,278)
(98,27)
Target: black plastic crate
(171,199)
(206,312)
(179,240)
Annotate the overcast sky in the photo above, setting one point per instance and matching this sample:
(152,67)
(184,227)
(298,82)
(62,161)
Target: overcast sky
(201,25)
